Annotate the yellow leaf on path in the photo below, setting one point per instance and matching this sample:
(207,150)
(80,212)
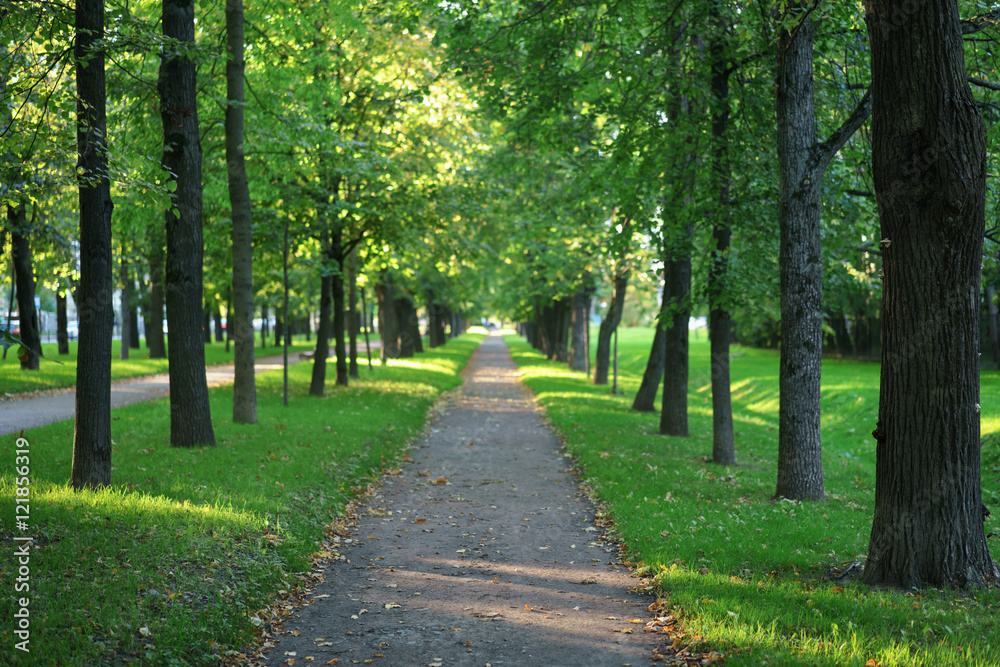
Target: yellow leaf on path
(392,605)
(334,661)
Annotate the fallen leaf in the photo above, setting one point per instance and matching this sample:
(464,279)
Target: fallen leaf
(144,631)
(333,662)
(392,605)
(420,521)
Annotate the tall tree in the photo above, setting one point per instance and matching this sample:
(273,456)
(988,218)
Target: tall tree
(610,322)
(676,287)
(190,413)
(723,443)
(802,160)
(24,274)
(126,307)
(92,434)
(240,317)
(929,164)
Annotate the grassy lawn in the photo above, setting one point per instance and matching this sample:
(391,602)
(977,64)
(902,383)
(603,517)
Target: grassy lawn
(742,573)
(175,563)
(52,375)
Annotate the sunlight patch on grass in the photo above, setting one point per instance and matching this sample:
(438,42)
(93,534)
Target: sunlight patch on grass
(747,575)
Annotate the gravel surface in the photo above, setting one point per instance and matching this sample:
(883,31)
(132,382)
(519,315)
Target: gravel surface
(482,551)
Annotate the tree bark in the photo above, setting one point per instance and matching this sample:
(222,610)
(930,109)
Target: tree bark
(318,382)
(92,434)
(62,323)
(406,314)
(435,316)
(133,321)
(929,167)
(562,319)
(154,327)
(645,398)
(723,443)
(126,307)
(387,320)
(190,413)
(264,328)
(352,314)
(579,358)
(608,325)
(337,285)
(801,163)
(677,284)
(24,274)
(220,334)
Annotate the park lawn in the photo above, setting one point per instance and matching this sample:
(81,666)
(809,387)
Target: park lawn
(60,371)
(744,574)
(175,564)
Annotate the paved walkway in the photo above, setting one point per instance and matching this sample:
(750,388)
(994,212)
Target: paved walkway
(481,552)
(57,405)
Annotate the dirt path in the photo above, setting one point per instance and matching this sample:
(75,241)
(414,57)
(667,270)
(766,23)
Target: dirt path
(481,552)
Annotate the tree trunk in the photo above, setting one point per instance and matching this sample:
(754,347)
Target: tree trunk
(387,320)
(723,443)
(645,398)
(352,314)
(563,309)
(92,434)
(405,314)
(677,284)
(608,325)
(930,182)
(133,322)
(279,327)
(801,163)
(62,323)
(154,327)
(264,322)
(190,413)
(579,358)
(418,339)
(24,274)
(318,382)
(126,307)
(239,318)
(220,334)
(337,285)
(206,326)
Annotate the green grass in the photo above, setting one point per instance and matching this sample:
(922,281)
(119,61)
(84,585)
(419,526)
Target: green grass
(57,371)
(173,565)
(744,574)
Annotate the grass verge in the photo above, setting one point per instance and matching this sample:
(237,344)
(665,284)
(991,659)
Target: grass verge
(173,564)
(754,578)
(57,371)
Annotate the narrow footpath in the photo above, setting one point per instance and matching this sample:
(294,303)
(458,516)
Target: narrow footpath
(482,551)
(56,405)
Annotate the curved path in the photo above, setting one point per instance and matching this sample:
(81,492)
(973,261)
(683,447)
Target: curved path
(481,552)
